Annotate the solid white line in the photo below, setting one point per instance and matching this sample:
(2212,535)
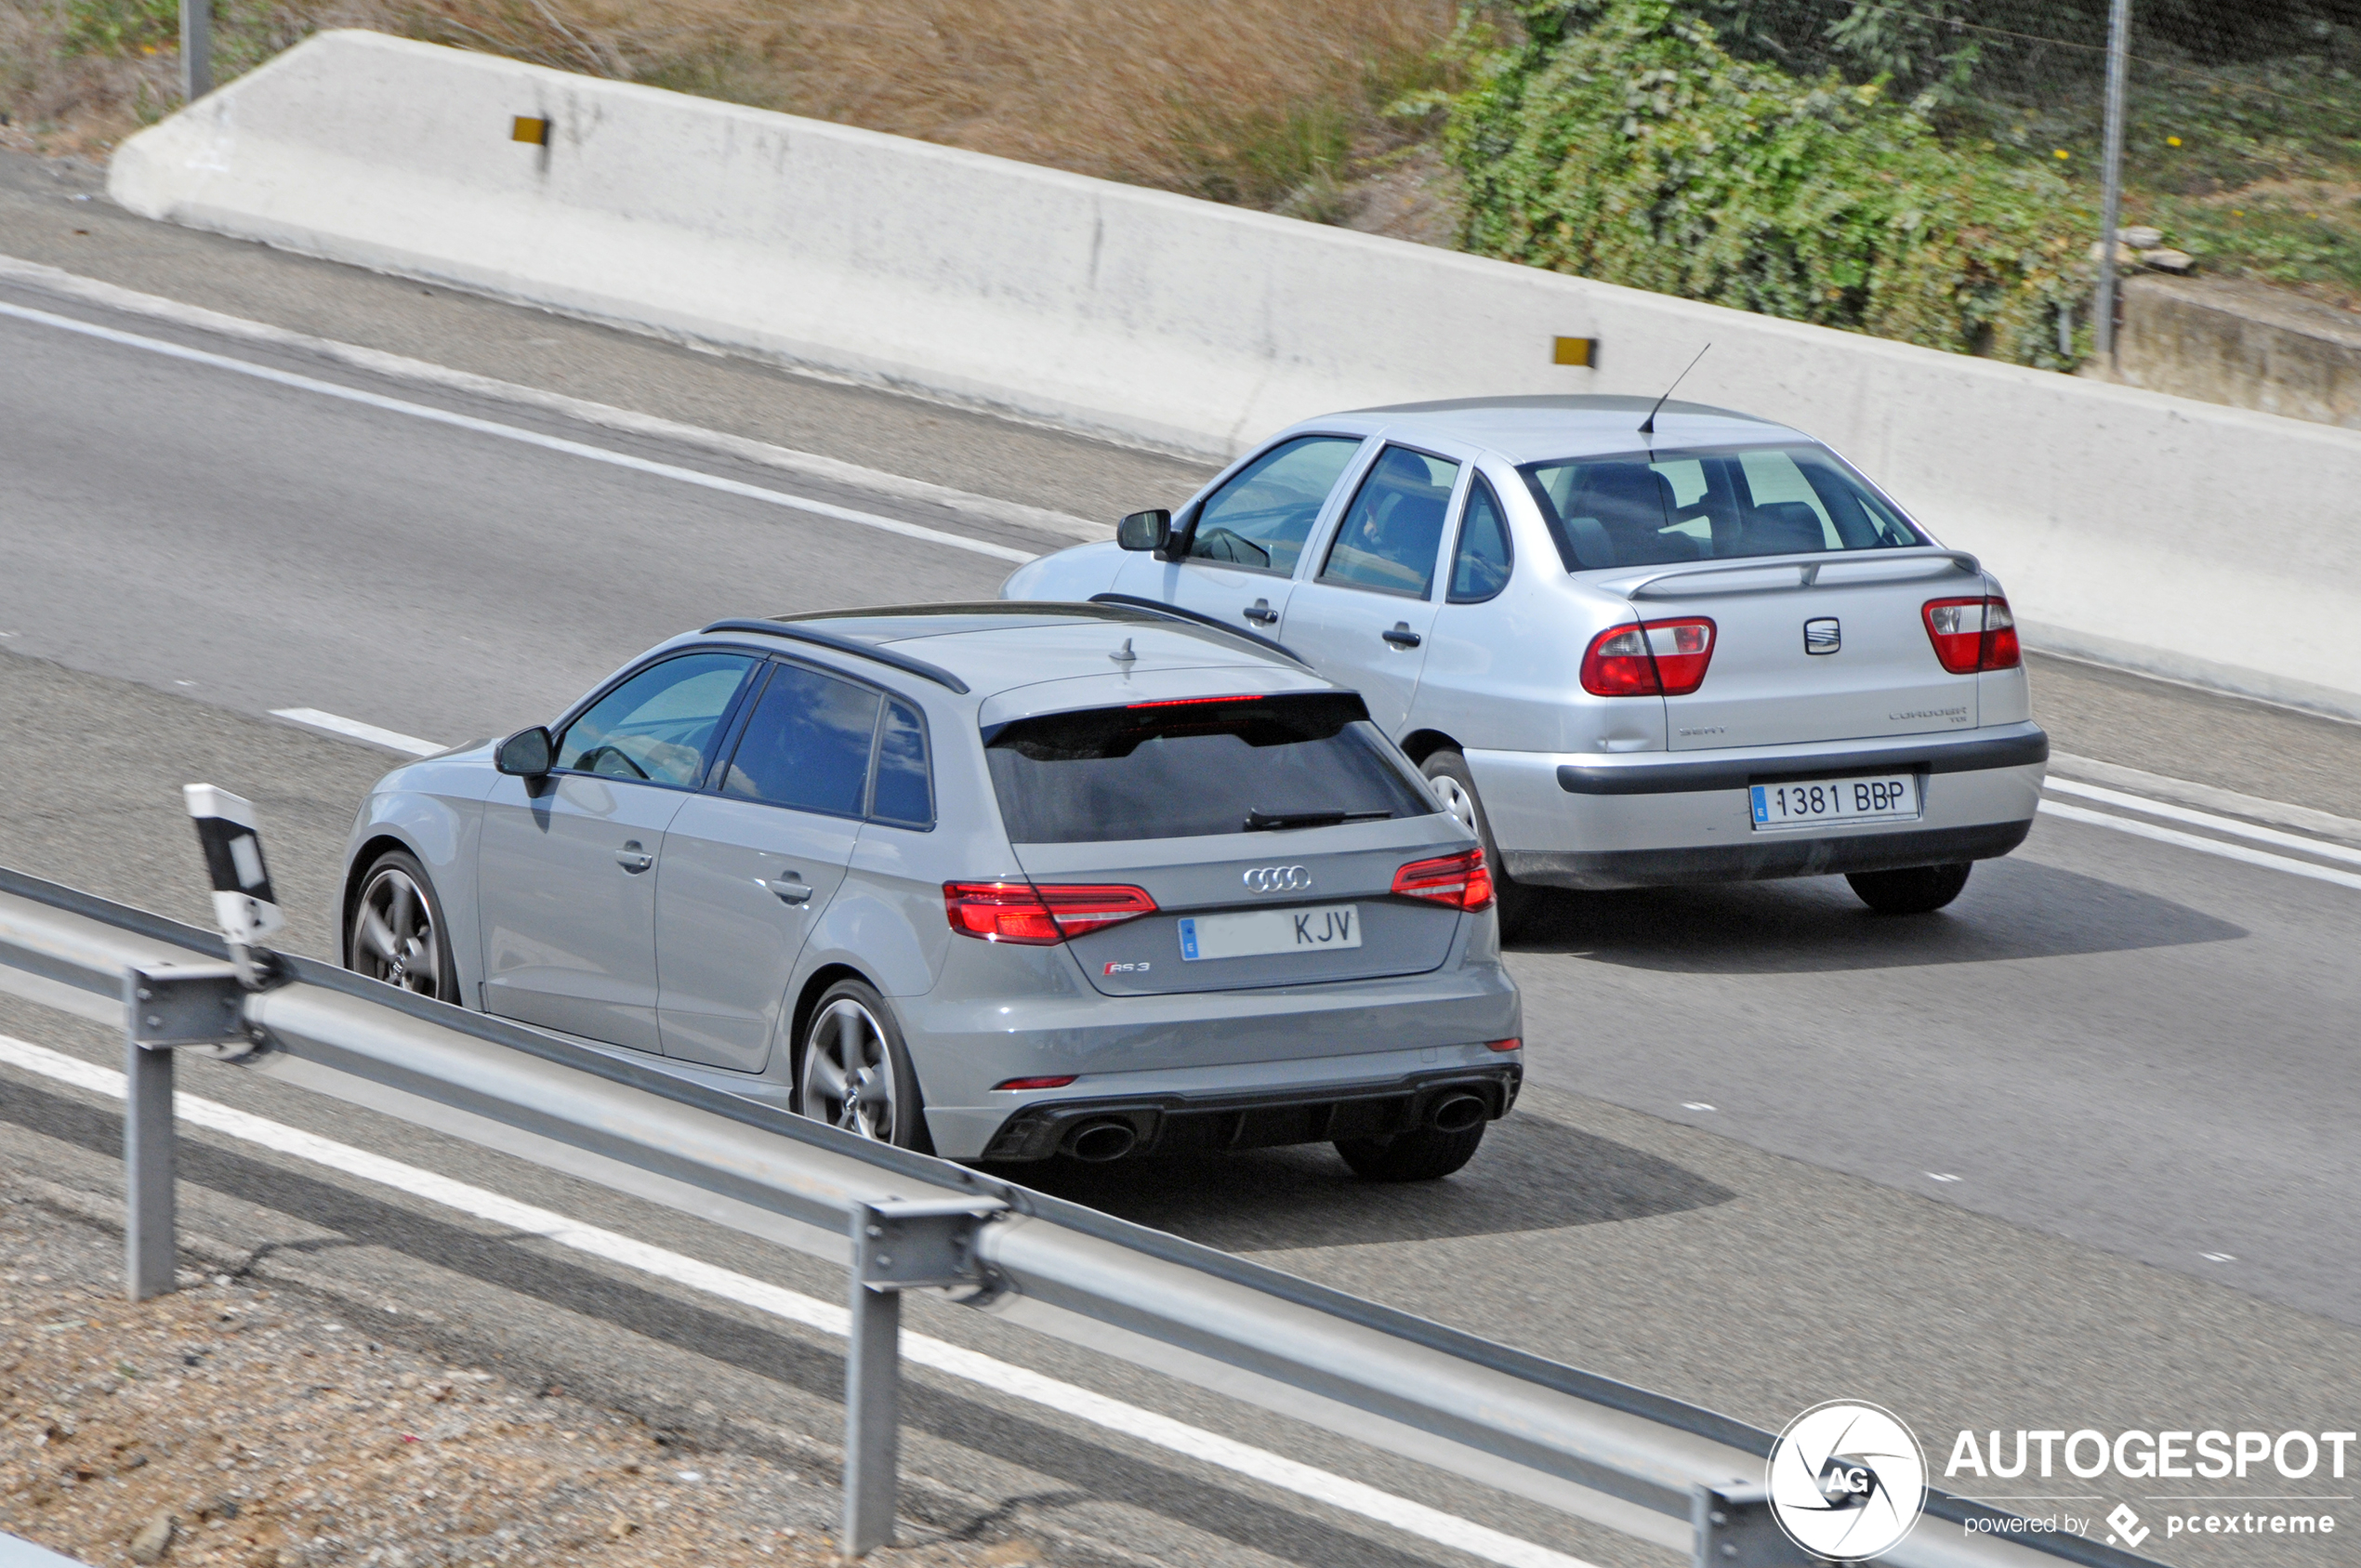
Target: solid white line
(336,723)
(1147,1426)
(515,433)
(2206,846)
(2206,818)
(2206,797)
(803,465)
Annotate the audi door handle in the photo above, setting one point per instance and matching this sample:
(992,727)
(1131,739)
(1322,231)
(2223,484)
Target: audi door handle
(1260,613)
(791,889)
(1402,636)
(634,859)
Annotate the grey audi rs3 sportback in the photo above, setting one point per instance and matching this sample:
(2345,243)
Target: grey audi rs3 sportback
(1004,881)
(1629,647)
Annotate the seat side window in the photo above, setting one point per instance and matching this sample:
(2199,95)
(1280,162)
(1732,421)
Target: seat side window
(1393,531)
(659,725)
(1261,518)
(1480,566)
(807,745)
(906,792)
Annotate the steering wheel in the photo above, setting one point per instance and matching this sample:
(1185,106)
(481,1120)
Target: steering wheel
(1230,543)
(589,760)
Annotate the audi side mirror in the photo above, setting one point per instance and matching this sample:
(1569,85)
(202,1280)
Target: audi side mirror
(1145,531)
(527,753)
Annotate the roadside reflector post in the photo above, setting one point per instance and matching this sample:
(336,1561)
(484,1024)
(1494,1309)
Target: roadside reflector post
(897,1245)
(174,1006)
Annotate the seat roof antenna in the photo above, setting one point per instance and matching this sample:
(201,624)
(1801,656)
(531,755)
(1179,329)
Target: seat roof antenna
(1648,425)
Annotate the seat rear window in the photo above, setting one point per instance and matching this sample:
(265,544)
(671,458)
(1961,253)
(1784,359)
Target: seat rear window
(1190,769)
(1664,508)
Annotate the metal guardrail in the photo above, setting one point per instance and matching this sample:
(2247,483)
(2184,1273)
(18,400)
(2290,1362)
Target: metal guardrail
(1636,1461)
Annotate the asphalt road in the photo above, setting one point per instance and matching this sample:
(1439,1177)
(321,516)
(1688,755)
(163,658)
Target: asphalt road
(2123,1055)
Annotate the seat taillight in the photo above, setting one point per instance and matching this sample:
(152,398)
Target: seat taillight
(1033,915)
(1652,659)
(1463,881)
(1973,634)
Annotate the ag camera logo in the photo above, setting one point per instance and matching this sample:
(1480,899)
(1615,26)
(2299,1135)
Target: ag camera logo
(1847,1481)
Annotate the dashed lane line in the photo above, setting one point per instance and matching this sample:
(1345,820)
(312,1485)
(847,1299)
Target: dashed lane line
(352,729)
(827,1317)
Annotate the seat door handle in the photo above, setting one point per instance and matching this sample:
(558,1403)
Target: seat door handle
(634,859)
(791,889)
(1260,613)
(1402,636)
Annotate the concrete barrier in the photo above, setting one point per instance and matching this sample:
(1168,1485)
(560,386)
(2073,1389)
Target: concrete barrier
(2205,543)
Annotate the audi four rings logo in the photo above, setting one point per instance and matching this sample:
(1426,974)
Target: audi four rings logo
(1847,1481)
(1278,879)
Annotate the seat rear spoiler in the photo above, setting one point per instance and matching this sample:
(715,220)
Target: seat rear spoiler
(1780,576)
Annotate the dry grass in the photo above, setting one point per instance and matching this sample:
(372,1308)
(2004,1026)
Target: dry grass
(1247,101)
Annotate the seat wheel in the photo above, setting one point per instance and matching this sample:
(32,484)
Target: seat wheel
(1447,775)
(1420,1155)
(1918,889)
(396,932)
(853,1071)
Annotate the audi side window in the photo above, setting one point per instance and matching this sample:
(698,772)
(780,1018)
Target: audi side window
(1394,527)
(1480,566)
(1261,518)
(904,792)
(807,745)
(658,726)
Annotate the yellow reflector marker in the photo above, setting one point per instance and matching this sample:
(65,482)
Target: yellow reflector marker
(1575,350)
(531,130)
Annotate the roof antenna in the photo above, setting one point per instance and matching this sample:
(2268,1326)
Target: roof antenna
(1648,425)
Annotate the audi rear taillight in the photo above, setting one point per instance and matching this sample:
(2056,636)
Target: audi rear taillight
(1462,880)
(1973,634)
(1652,659)
(1033,915)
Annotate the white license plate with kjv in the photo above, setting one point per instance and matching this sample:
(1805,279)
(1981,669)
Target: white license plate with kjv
(1263,931)
(1829,800)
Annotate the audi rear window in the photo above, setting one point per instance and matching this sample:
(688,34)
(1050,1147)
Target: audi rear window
(1189,769)
(1654,508)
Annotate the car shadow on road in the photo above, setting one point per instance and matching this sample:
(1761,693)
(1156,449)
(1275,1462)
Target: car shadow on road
(2012,909)
(1531,1174)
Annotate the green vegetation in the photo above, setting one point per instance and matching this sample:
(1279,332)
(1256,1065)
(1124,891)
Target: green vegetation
(1625,143)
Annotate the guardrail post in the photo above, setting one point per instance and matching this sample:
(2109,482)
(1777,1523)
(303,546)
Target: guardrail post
(150,1243)
(166,1008)
(897,1245)
(872,1418)
(1735,1530)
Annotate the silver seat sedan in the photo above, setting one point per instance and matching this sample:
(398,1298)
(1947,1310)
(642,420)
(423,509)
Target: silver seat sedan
(1705,650)
(1002,881)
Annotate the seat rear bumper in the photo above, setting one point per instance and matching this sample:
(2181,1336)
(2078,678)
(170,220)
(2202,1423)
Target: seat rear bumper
(1655,820)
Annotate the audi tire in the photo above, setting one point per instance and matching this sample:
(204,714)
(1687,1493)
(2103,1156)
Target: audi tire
(394,931)
(853,1071)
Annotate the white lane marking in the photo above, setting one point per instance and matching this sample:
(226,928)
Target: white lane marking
(803,465)
(2205,846)
(337,724)
(2206,818)
(2206,797)
(515,433)
(1147,1426)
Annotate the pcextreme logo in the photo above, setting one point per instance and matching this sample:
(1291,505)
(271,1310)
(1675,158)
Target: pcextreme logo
(1847,1481)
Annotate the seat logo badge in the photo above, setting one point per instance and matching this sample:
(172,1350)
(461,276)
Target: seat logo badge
(1823,635)
(1278,879)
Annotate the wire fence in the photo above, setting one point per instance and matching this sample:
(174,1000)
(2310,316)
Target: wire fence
(2242,136)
